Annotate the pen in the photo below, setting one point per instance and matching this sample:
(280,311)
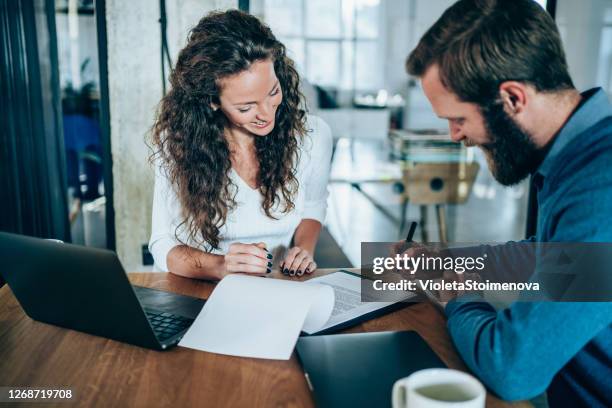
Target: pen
(411,231)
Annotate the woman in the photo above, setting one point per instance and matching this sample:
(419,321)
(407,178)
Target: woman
(241,170)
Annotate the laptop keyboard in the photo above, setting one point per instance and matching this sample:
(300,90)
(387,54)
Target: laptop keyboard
(166,324)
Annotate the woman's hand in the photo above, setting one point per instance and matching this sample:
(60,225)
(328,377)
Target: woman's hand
(253,259)
(297,262)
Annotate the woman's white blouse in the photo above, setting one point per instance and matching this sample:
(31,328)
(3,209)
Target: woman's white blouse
(248,223)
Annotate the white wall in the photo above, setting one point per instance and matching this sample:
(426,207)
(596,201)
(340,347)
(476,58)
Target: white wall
(73,51)
(408,21)
(135,88)
(581,25)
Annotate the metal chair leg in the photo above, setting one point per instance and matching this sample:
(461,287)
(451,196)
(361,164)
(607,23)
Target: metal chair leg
(441,213)
(423,223)
(403,217)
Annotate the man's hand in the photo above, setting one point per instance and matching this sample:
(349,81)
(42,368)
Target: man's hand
(425,272)
(416,250)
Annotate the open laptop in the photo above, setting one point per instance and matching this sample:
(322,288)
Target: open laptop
(86,289)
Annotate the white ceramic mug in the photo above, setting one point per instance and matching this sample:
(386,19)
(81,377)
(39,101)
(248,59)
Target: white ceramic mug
(438,388)
(59,241)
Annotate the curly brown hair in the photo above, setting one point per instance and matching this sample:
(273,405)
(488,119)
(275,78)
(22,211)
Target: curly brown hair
(188,135)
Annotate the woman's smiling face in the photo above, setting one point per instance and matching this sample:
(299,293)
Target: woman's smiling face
(250,99)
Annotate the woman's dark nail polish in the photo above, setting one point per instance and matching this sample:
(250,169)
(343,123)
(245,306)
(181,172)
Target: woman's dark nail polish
(269,264)
(269,256)
(292,272)
(268,270)
(307,270)
(285,271)
(299,273)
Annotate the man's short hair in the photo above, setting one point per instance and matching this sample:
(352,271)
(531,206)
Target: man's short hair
(478,44)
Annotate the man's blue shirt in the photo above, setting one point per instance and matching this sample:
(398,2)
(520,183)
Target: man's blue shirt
(562,348)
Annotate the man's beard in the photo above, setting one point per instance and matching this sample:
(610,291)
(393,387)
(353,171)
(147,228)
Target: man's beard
(512,155)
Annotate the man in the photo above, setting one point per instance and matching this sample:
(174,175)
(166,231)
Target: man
(496,70)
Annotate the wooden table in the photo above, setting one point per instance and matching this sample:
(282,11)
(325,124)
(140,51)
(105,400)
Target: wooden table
(107,373)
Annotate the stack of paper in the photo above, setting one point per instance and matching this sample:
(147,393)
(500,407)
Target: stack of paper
(250,316)
(260,317)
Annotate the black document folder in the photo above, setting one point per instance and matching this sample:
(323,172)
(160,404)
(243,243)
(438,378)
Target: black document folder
(359,370)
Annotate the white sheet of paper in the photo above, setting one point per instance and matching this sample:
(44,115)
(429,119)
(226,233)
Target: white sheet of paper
(250,316)
(348,304)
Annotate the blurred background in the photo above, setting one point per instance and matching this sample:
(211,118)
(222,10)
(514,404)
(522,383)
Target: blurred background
(81,80)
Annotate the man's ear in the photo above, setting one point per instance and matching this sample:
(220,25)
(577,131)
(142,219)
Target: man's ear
(514,96)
